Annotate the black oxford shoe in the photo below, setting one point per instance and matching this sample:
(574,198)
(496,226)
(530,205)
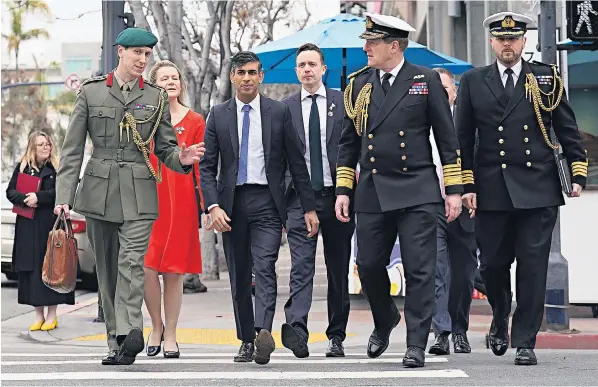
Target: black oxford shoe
(525,356)
(379,338)
(498,339)
(294,341)
(414,357)
(441,345)
(264,346)
(461,344)
(110,359)
(335,348)
(245,354)
(130,347)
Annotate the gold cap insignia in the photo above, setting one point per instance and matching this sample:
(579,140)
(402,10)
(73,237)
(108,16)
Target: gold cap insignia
(368,22)
(508,22)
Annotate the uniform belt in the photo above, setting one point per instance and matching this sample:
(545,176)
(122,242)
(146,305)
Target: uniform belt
(127,155)
(326,191)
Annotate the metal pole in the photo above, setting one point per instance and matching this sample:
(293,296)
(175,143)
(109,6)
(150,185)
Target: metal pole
(557,282)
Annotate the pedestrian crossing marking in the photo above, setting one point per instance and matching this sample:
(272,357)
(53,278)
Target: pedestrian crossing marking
(257,375)
(283,352)
(209,336)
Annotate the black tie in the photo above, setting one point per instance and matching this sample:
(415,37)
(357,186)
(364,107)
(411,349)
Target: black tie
(509,85)
(386,82)
(315,146)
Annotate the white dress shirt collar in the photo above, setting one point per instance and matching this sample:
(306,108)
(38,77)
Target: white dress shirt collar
(516,68)
(394,71)
(321,92)
(255,104)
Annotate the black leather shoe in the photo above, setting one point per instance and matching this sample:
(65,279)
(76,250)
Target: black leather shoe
(245,354)
(264,346)
(111,358)
(525,356)
(414,358)
(378,341)
(173,354)
(441,345)
(335,348)
(461,344)
(153,350)
(498,339)
(294,341)
(130,347)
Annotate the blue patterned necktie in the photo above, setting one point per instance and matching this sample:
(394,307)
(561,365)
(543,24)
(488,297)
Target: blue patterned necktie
(242,176)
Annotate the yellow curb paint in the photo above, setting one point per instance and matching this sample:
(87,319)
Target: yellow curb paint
(211,336)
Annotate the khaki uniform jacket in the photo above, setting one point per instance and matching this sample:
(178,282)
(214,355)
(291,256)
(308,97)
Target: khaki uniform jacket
(117,184)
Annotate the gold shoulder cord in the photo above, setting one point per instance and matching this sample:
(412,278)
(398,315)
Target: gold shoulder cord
(359,112)
(531,86)
(131,124)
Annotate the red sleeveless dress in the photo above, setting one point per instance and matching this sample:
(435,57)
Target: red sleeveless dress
(174,242)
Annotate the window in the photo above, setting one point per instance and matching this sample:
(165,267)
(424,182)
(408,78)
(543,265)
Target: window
(77,65)
(583,100)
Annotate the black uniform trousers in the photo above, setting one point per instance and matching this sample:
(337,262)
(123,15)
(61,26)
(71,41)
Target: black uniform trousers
(503,236)
(376,236)
(254,240)
(336,236)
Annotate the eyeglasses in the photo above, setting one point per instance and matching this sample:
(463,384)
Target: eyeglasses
(44,145)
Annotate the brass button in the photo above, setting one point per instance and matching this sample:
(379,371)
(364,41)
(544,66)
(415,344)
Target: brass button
(403,157)
(370,147)
(101,113)
(370,135)
(527,152)
(402,145)
(404,169)
(501,141)
(526,139)
(502,153)
(528,164)
(374,171)
(524,127)
(401,133)
(504,166)
(500,128)
(372,159)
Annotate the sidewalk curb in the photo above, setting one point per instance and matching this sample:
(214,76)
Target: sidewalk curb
(556,340)
(81,305)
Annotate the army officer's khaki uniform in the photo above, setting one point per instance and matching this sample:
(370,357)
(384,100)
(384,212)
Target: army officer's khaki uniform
(117,193)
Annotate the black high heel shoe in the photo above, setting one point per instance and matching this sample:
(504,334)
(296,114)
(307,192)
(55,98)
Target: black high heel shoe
(173,354)
(153,350)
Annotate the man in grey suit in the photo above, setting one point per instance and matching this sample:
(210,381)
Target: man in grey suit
(254,138)
(456,263)
(318,114)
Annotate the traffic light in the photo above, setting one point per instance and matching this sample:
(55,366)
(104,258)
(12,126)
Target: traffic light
(582,20)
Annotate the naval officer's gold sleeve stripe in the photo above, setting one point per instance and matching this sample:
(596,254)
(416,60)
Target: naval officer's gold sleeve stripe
(344,182)
(345,169)
(452,180)
(467,176)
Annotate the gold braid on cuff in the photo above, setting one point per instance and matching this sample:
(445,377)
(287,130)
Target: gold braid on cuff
(452,174)
(467,175)
(345,177)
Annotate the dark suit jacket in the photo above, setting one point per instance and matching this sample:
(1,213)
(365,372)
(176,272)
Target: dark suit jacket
(334,126)
(514,167)
(395,156)
(465,221)
(281,148)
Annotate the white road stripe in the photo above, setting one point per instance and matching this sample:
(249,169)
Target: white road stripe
(185,354)
(257,375)
(227,361)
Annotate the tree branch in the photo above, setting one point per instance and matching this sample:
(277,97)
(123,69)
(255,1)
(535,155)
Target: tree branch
(161,24)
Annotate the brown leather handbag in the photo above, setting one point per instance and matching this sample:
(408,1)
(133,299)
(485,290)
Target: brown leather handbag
(59,271)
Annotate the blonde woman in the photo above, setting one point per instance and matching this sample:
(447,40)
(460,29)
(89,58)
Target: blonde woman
(31,235)
(174,247)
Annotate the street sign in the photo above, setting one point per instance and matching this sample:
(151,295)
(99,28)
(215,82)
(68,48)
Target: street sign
(582,20)
(72,82)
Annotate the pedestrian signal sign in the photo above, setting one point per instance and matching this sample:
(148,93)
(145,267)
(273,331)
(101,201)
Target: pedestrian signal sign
(582,20)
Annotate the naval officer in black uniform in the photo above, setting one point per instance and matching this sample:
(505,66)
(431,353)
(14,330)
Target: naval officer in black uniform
(514,188)
(390,108)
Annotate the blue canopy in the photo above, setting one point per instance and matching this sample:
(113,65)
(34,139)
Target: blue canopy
(338,38)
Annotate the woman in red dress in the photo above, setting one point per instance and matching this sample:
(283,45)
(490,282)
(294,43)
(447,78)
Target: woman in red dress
(173,248)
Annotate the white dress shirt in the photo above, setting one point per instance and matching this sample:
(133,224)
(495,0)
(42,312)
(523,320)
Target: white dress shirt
(256,164)
(394,72)
(322,103)
(516,72)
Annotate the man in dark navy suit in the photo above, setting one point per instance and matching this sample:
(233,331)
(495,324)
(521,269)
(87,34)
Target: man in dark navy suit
(456,264)
(318,114)
(255,140)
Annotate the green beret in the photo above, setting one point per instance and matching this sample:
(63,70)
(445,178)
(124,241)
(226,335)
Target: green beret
(136,37)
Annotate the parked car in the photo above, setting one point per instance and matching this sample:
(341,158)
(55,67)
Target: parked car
(86,270)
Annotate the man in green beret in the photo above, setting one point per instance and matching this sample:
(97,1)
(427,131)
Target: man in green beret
(123,115)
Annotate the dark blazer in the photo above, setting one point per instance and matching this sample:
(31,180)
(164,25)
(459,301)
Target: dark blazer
(514,166)
(394,154)
(281,148)
(334,126)
(465,221)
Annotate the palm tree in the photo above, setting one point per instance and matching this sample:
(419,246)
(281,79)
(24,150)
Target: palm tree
(18,9)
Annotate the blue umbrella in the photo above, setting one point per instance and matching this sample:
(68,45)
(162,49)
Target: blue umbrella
(338,38)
